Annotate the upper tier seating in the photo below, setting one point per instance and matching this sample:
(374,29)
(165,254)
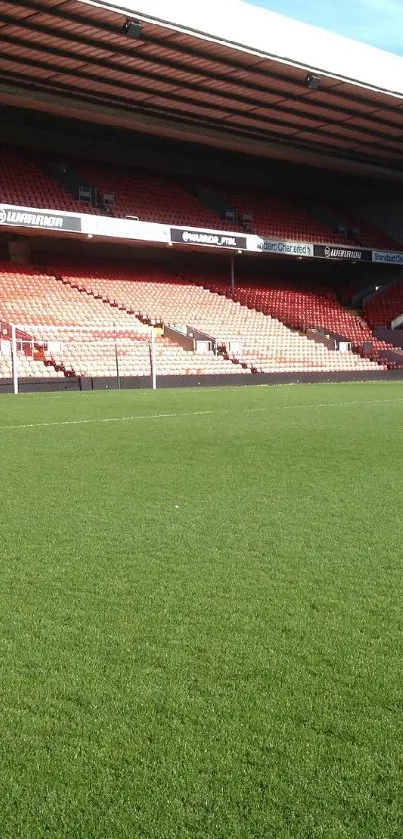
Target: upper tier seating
(385,305)
(251,338)
(149,195)
(277,216)
(368,236)
(23,183)
(288,217)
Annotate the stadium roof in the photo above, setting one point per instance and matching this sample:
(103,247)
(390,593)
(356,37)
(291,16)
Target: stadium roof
(222,73)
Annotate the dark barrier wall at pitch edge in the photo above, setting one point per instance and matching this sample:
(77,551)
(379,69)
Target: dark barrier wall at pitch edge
(142,382)
(41,385)
(279,379)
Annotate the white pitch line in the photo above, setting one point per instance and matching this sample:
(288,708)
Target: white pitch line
(96,420)
(178,414)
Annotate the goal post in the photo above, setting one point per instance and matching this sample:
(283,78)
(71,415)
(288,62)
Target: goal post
(93,351)
(153,361)
(14,359)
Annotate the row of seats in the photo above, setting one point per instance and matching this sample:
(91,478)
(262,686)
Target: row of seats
(98,358)
(28,368)
(368,236)
(155,197)
(74,318)
(276,215)
(293,217)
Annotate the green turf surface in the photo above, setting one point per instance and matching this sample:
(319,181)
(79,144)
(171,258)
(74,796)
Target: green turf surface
(201,614)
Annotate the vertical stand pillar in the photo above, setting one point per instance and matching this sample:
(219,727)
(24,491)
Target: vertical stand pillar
(117,362)
(232,274)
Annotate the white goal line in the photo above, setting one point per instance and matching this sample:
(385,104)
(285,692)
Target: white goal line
(205,413)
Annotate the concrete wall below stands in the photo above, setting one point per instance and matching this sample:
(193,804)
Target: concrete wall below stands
(143,382)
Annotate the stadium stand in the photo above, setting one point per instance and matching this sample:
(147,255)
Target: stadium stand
(29,366)
(303,309)
(256,341)
(354,229)
(27,179)
(156,197)
(40,303)
(272,214)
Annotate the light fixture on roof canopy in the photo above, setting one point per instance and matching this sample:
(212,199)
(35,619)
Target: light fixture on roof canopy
(132,28)
(312,81)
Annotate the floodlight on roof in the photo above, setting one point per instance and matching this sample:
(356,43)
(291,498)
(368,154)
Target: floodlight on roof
(312,81)
(132,28)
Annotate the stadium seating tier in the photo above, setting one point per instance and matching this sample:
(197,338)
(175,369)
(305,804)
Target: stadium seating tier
(258,341)
(79,334)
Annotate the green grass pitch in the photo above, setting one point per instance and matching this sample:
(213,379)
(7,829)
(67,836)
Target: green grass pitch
(201,614)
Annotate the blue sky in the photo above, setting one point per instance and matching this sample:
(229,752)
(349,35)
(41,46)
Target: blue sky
(376,22)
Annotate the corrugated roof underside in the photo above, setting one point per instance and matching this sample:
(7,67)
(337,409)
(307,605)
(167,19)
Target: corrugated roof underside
(71,56)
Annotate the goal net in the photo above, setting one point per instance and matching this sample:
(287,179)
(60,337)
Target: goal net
(97,352)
